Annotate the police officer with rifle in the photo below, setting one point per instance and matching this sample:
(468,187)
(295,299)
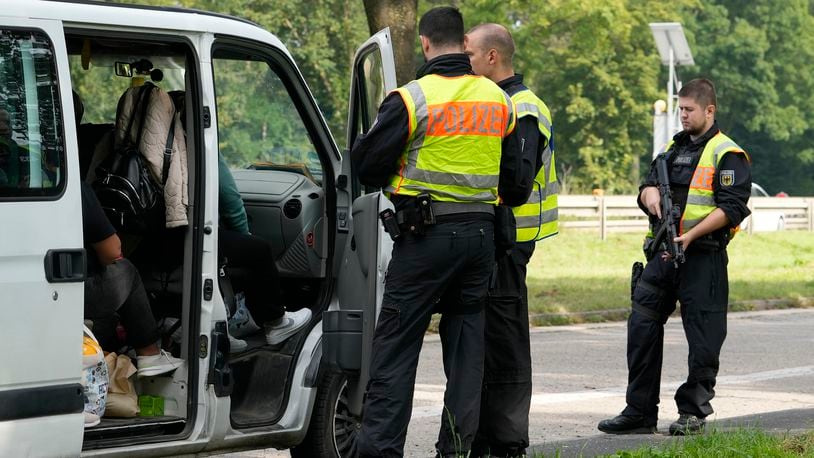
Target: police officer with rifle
(443,147)
(695,195)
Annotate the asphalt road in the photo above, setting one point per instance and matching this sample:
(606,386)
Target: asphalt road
(766,380)
(580,375)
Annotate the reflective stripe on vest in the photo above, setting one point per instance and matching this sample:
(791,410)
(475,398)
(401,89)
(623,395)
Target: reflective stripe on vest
(456,129)
(538,218)
(700,198)
(701,195)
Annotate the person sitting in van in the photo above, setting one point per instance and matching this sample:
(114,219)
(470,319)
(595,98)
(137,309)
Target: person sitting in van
(113,287)
(253,254)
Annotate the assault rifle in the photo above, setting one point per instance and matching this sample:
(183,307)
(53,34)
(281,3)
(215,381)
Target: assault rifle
(670,215)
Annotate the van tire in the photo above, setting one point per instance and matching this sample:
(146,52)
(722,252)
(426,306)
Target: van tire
(329,416)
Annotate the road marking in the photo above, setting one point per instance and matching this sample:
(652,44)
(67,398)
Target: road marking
(435,393)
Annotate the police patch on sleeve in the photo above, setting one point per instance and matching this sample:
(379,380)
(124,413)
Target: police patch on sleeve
(727,177)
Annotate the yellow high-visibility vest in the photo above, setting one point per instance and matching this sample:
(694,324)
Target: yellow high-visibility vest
(457,126)
(538,218)
(700,197)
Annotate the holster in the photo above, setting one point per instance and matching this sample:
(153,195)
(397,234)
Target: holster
(410,220)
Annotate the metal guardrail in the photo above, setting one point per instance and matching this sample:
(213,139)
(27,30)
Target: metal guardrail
(607,214)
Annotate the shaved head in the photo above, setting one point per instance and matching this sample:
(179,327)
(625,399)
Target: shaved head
(493,36)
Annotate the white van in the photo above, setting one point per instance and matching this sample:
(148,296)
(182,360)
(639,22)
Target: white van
(299,192)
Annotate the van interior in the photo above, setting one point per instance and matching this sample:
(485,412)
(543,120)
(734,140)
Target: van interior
(279,171)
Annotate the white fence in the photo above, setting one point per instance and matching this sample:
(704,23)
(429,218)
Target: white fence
(621,214)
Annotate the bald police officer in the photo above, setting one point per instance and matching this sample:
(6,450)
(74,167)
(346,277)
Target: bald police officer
(506,397)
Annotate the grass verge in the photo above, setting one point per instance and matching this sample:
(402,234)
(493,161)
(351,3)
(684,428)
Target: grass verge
(576,277)
(729,444)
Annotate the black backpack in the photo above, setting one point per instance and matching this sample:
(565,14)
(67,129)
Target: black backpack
(130,196)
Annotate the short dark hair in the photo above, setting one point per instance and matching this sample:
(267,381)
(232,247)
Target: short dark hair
(701,90)
(443,26)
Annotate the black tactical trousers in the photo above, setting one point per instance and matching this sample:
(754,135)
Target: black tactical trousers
(702,287)
(506,397)
(448,268)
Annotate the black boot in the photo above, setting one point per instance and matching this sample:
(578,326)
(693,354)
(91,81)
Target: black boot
(686,425)
(627,424)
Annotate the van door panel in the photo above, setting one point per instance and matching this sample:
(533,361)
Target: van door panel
(367,248)
(40,394)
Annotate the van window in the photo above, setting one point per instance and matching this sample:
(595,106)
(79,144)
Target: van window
(100,88)
(372,74)
(258,124)
(32,147)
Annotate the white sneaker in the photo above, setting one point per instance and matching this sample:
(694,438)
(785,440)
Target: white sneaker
(236,345)
(288,326)
(91,419)
(157,364)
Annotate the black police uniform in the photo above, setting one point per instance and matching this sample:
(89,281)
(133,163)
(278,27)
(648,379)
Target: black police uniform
(700,285)
(506,395)
(451,265)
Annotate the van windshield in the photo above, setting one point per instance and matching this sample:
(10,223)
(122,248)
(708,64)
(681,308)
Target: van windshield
(259,126)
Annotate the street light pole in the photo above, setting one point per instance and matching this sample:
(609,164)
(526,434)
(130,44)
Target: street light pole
(670,78)
(673,50)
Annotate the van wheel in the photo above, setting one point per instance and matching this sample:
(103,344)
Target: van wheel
(333,430)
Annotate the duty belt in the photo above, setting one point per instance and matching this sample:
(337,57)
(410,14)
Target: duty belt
(416,216)
(452,208)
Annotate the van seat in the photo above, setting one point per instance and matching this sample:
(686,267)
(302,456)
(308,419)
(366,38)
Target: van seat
(93,137)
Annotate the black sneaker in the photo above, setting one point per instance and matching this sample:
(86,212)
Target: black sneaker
(627,424)
(686,425)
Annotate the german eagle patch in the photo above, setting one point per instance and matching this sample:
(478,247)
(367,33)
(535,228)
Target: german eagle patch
(727,177)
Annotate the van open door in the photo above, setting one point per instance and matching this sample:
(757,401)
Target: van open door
(348,331)
(42,260)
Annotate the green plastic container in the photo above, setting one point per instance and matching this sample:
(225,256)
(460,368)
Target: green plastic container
(150,406)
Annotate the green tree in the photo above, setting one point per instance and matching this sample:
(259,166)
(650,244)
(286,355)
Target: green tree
(596,66)
(322,36)
(761,59)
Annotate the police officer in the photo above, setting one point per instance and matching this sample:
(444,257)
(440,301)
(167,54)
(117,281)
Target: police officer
(710,180)
(506,396)
(437,145)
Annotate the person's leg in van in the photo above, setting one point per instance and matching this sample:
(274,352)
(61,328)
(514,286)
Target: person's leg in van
(260,283)
(117,290)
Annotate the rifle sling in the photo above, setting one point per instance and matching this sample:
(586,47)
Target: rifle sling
(652,314)
(651,287)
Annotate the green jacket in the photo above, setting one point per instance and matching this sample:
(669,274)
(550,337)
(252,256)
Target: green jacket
(230,205)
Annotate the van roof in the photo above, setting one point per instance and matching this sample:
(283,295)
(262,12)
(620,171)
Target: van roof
(99,15)
(176,9)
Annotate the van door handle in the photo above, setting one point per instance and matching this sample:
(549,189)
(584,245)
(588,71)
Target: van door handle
(65,266)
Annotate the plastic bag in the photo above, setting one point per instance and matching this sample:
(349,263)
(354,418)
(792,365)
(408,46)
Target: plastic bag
(122,399)
(95,378)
